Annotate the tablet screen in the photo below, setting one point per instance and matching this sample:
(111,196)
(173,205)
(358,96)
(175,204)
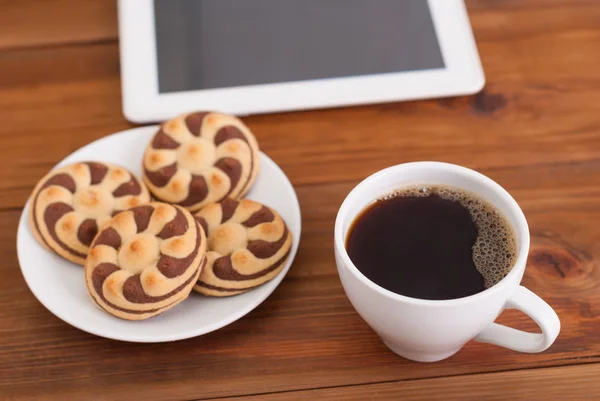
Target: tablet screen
(205,44)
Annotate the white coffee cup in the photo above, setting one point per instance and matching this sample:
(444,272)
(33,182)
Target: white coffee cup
(428,330)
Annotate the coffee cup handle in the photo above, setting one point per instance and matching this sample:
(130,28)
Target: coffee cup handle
(538,310)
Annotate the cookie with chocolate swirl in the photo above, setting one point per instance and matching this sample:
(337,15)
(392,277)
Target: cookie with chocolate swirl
(199,158)
(70,203)
(145,261)
(248,245)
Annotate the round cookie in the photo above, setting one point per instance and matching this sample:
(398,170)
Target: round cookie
(248,245)
(145,261)
(199,158)
(70,203)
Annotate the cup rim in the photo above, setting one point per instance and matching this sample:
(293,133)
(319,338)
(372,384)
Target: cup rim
(521,226)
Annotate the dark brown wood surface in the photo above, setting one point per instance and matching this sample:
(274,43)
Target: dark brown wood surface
(535,129)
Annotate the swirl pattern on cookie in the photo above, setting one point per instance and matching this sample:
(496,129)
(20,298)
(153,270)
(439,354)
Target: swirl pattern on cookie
(248,245)
(145,260)
(70,203)
(199,158)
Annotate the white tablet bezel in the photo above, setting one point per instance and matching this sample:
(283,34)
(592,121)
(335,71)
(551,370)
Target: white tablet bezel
(142,101)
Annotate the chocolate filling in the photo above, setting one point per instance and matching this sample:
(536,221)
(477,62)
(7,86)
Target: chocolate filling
(52,214)
(215,288)
(99,275)
(109,237)
(103,270)
(202,223)
(223,269)
(176,227)
(230,132)
(197,192)
(264,215)
(87,231)
(194,122)
(134,292)
(141,215)
(164,141)
(263,249)
(228,207)
(127,310)
(62,180)
(232,168)
(132,187)
(173,267)
(97,172)
(162,176)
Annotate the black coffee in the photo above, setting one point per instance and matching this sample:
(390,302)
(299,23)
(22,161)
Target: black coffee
(432,243)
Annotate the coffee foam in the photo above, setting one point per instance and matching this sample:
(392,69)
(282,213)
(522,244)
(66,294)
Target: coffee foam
(495,249)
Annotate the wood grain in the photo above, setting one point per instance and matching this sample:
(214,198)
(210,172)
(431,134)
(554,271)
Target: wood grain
(526,116)
(540,106)
(36,23)
(534,129)
(574,383)
(306,334)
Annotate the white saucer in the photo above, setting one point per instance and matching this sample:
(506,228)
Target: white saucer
(59,284)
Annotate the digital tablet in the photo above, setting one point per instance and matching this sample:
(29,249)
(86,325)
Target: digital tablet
(259,56)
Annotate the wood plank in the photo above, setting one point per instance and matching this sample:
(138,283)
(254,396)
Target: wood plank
(35,23)
(573,383)
(541,105)
(26,23)
(534,129)
(306,334)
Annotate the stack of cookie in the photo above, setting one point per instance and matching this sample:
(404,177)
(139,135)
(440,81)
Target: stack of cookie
(142,257)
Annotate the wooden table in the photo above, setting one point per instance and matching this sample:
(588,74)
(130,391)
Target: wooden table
(535,129)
